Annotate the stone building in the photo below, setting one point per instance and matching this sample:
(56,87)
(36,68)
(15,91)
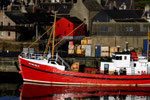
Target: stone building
(6,22)
(116,27)
(86,10)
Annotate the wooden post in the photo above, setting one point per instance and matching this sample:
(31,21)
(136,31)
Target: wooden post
(37,32)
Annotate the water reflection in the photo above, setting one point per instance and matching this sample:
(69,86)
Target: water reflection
(32,91)
(9,91)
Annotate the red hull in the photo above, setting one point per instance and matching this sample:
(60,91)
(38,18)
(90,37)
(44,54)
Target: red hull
(45,92)
(50,74)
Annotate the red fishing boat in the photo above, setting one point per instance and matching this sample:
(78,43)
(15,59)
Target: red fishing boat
(32,91)
(52,69)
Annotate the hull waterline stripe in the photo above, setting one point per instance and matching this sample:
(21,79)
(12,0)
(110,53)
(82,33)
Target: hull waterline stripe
(83,76)
(76,84)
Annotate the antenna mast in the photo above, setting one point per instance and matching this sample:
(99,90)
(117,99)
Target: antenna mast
(148,44)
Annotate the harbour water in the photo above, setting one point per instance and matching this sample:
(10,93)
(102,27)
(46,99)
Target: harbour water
(15,89)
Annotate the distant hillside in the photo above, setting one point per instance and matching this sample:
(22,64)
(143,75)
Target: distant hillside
(140,4)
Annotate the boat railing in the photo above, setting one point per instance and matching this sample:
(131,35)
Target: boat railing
(62,62)
(37,56)
(142,58)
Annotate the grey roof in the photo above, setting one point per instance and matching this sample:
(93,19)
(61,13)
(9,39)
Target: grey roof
(4,3)
(92,5)
(124,14)
(62,8)
(120,16)
(26,18)
(129,3)
(74,20)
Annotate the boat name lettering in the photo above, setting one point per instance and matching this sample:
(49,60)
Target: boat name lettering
(34,65)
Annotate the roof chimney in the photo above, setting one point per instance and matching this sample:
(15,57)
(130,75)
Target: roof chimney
(99,1)
(9,8)
(34,9)
(23,9)
(41,1)
(31,3)
(115,4)
(47,1)
(147,8)
(25,2)
(79,1)
(72,1)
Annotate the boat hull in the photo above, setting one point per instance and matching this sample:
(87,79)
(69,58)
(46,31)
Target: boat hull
(40,73)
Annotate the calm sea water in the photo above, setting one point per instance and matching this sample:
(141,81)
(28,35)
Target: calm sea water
(11,89)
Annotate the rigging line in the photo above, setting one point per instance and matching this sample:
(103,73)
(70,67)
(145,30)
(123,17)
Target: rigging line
(69,34)
(49,40)
(38,38)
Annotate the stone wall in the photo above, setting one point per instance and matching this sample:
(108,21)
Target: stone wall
(16,46)
(112,41)
(8,65)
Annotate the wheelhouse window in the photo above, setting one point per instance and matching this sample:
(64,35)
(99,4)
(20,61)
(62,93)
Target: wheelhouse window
(125,57)
(118,57)
(134,65)
(106,66)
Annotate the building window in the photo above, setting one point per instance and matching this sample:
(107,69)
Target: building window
(1,23)
(106,66)
(118,57)
(104,29)
(64,32)
(8,33)
(68,25)
(8,24)
(2,33)
(57,25)
(129,29)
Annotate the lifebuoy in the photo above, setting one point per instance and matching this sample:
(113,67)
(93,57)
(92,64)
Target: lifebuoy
(75,67)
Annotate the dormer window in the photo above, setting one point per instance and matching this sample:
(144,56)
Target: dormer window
(123,6)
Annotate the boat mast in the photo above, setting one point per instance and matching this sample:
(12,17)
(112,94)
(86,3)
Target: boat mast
(54,28)
(52,35)
(148,45)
